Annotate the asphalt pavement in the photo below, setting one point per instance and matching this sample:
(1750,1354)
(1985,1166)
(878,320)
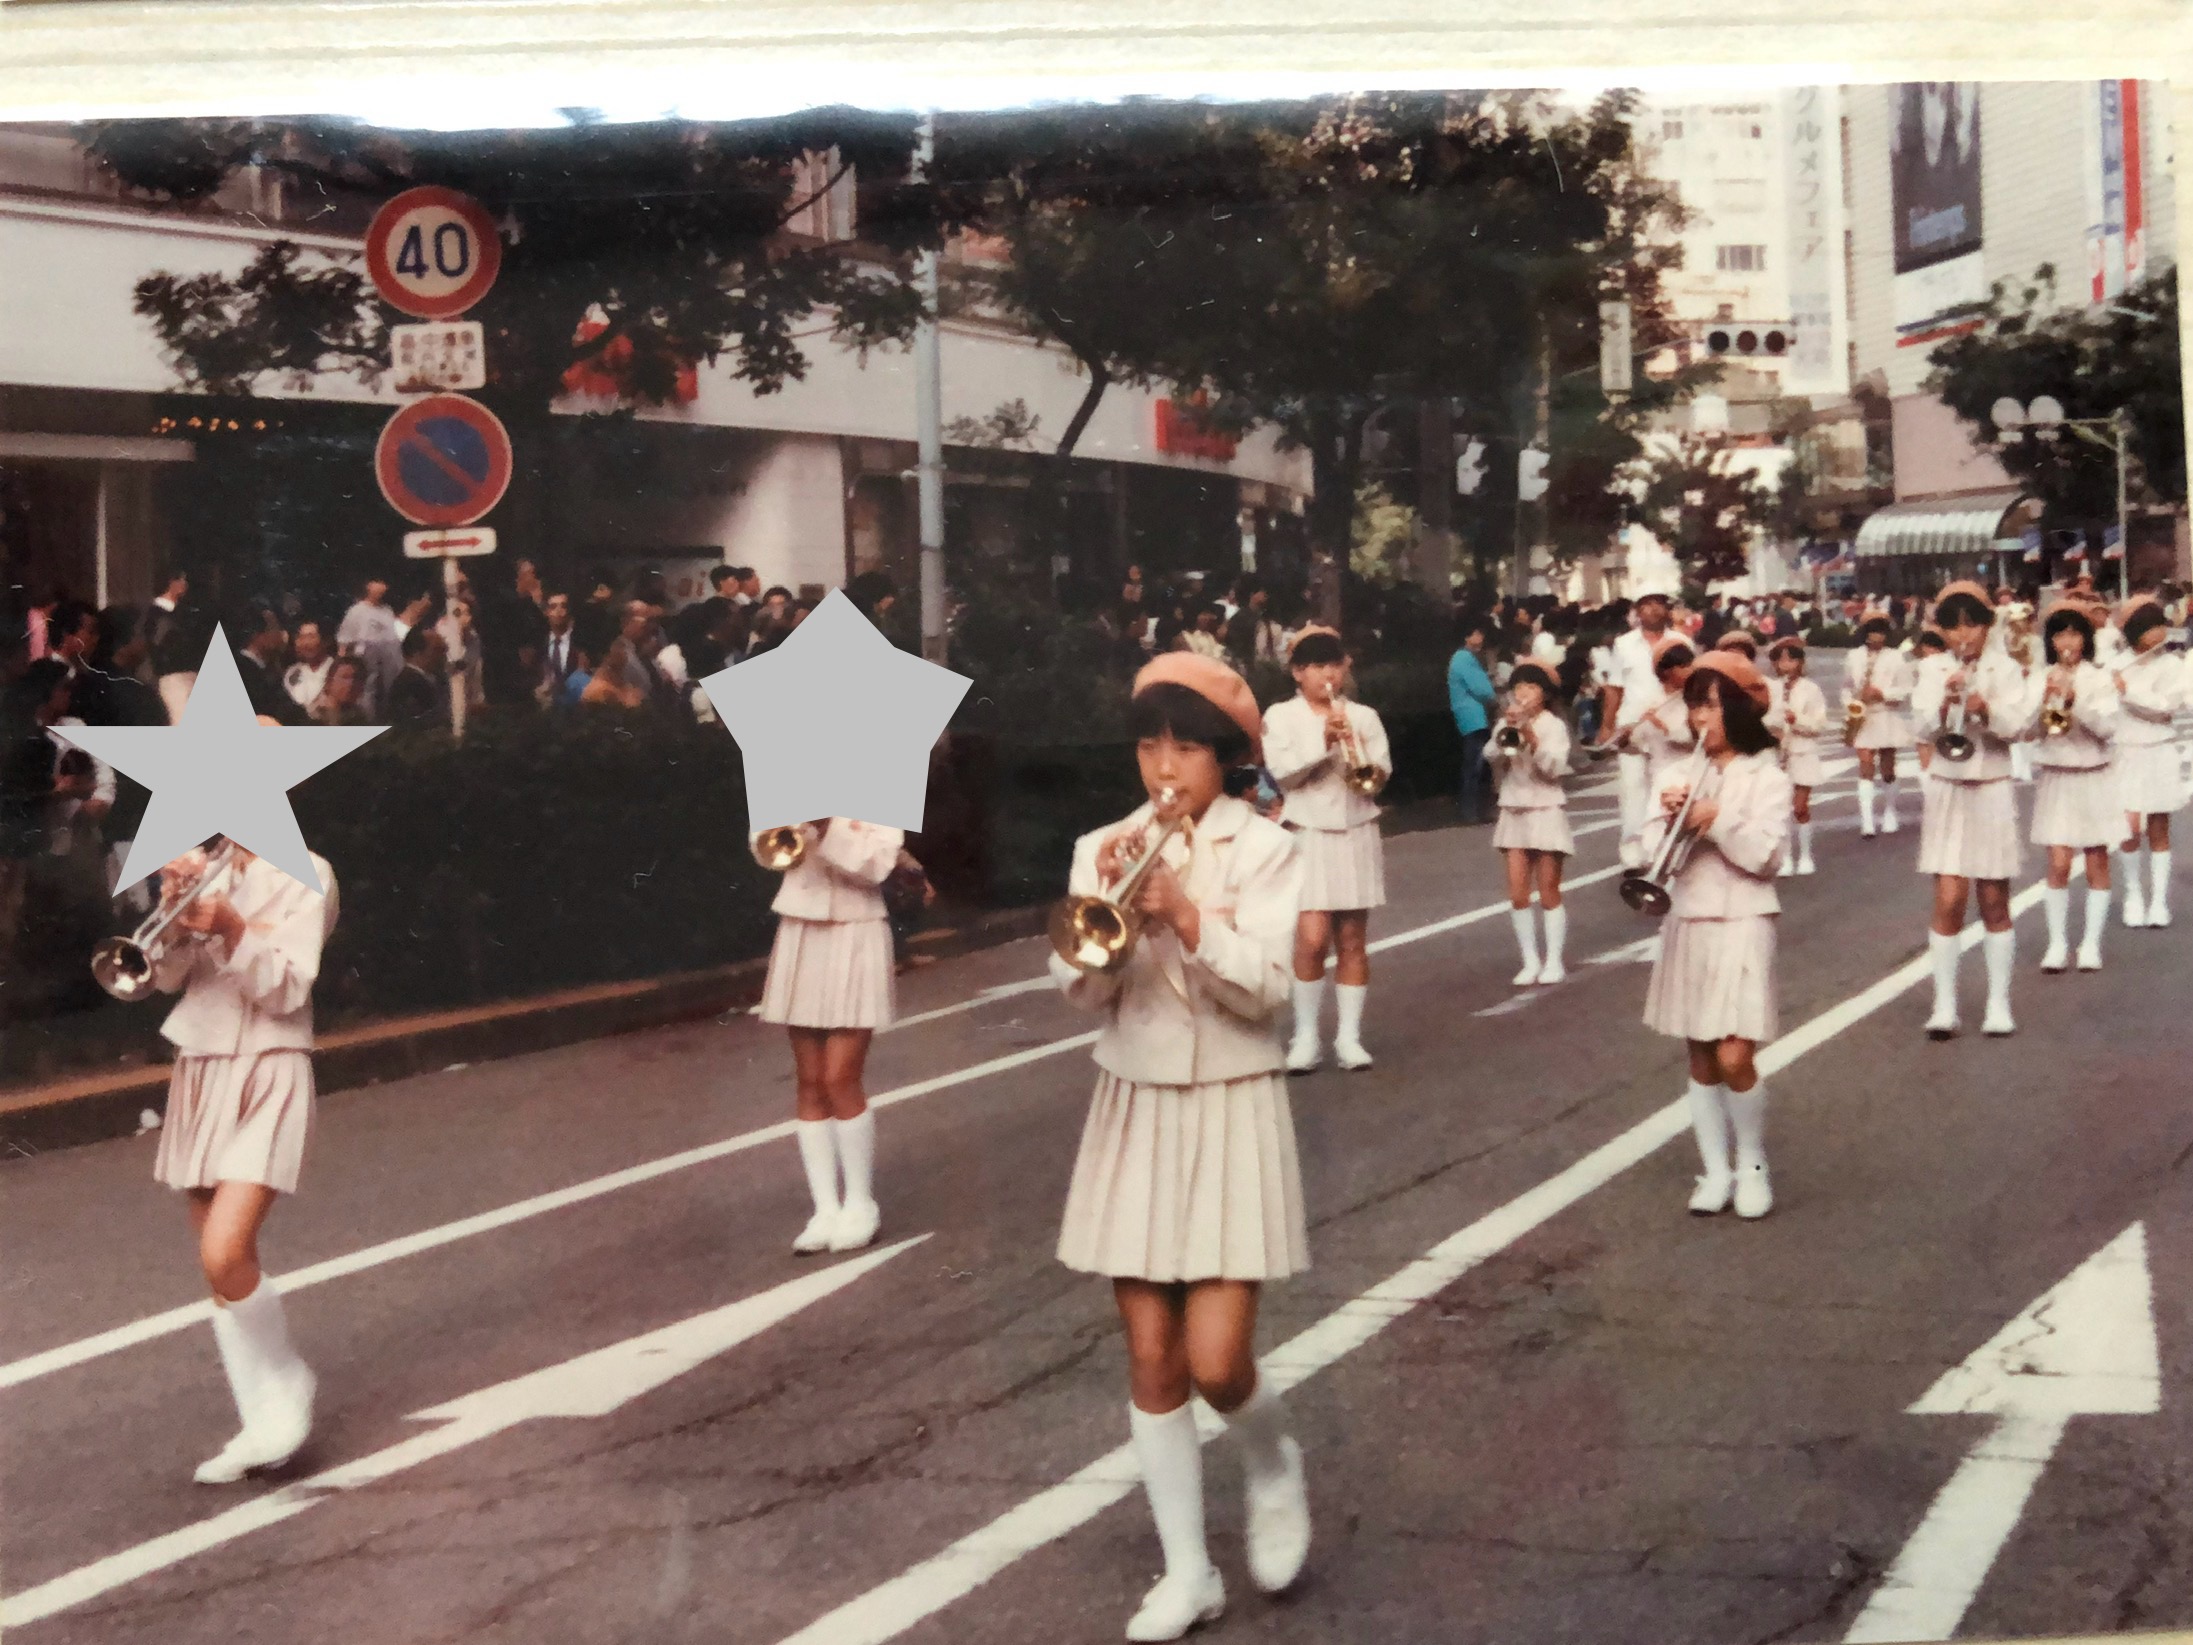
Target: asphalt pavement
(576,1388)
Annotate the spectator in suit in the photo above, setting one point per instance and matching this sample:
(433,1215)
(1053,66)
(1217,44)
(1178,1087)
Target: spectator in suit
(562,655)
(306,677)
(419,698)
(261,644)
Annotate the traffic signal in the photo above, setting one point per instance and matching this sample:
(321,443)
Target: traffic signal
(1469,469)
(1530,474)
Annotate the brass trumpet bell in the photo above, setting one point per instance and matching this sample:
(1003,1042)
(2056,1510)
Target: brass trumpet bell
(1646,896)
(1955,745)
(1092,933)
(1854,716)
(2055,720)
(778,849)
(1508,739)
(123,968)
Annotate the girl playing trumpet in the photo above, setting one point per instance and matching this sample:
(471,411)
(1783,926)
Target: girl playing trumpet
(832,983)
(1186,1192)
(1713,979)
(239,1113)
(1314,744)
(1797,714)
(1533,836)
(2150,785)
(2074,797)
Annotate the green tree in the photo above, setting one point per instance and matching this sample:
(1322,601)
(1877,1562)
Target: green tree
(1697,500)
(2095,360)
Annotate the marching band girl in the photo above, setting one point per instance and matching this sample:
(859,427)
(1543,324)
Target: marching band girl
(832,983)
(1663,734)
(239,1114)
(1713,980)
(1311,742)
(1797,714)
(1741,641)
(1533,836)
(1968,835)
(1186,1192)
(2075,796)
(2151,689)
(1881,679)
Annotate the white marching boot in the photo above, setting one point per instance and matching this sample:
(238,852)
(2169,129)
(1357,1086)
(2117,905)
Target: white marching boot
(1278,1521)
(233,1460)
(1889,822)
(1943,953)
(1805,863)
(859,1217)
(1348,1036)
(2056,904)
(1171,1459)
(2135,905)
(1865,807)
(1710,1125)
(2097,920)
(2158,889)
(1557,939)
(2001,951)
(1748,1118)
(281,1384)
(1303,1051)
(819,1158)
(1525,921)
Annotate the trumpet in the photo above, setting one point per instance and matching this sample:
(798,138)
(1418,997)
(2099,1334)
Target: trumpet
(1952,742)
(1097,933)
(2055,714)
(1361,775)
(124,966)
(1509,738)
(779,849)
(1647,892)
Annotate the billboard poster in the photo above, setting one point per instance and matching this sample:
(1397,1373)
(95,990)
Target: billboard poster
(1934,185)
(2116,188)
(1813,195)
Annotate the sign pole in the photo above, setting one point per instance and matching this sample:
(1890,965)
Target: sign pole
(929,425)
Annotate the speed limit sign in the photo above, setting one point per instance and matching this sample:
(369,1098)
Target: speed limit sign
(433,252)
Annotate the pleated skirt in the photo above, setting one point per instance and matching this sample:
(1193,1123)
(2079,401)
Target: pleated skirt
(1533,828)
(1342,868)
(1714,979)
(1805,766)
(1187,1182)
(1969,830)
(236,1119)
(2076,807)
(830,974)
(1885,728)
(2150,778)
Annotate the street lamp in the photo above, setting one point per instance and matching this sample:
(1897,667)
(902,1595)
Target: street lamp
(2044,420)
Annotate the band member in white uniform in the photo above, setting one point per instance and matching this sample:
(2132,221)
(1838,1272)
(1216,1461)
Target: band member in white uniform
(2013,634)
(1741,641)
(1968,837)
(2152,688)
(1713,980)
(832,984)
(239,1113)
(1306,749)
(1881,679)
(1533,836)
(1797,713)
(1662,734)
(1187,1192)
(2075,806)
(1628,694)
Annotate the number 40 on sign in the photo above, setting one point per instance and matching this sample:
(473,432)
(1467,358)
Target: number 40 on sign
(433,252)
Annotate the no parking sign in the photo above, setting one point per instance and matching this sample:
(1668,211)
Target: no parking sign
(443,461)
(433,252)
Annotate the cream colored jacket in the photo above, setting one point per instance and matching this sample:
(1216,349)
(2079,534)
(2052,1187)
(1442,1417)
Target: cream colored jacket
(2151,689)
(2087,746)
(1731,869)
(1807,701)
(2012,703)
(1172,1017)
(1312,776)
(1530,779)
(840,879)
(257,996)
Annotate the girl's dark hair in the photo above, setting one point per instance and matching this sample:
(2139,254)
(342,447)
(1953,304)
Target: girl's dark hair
(1882,624)
(1674,657)
(2141,621)
(1170,709)
(1930,637)
(2071,617)
(1961,609)
(1313,649)
(1742,717)
(1535,671)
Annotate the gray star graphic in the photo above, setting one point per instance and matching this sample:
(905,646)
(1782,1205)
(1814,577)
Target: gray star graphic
(836,722)
(218,771)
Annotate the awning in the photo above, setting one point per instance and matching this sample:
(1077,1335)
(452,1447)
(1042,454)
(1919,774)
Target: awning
(1955,526)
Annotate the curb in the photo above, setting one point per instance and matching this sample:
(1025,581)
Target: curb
(94,1107)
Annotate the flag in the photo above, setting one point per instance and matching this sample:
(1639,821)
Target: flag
(2113,544)
(2031,538)
(2071,546)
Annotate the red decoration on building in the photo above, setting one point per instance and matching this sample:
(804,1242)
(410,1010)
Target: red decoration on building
(608,372)
(1183,431)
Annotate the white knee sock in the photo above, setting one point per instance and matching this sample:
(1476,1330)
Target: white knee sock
(1709,1123)
(1748,1118)
(1557,933)
(1525,921)
(264,1331)
(1309,1000)
(1865,802)
(1888,796)
(2097,917)
(2056,904)
(1350,995)
(2001,951)
(1804,842)
(1260,1423)
(1944,952)
(1171,1459)
(856,1139)
(236,1362)
(2158,884)
(2128,874)
(819,1158)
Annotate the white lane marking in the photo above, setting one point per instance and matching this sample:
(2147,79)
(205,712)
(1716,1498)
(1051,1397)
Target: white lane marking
(888,1610)
(154,1326)
(2085,1347)
(591,1385)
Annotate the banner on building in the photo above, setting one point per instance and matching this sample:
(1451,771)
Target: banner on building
(1934,187)
(1819,354)
(2116,188)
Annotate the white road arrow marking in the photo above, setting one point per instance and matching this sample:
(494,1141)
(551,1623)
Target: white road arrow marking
(592,1385)
(2085,1348)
